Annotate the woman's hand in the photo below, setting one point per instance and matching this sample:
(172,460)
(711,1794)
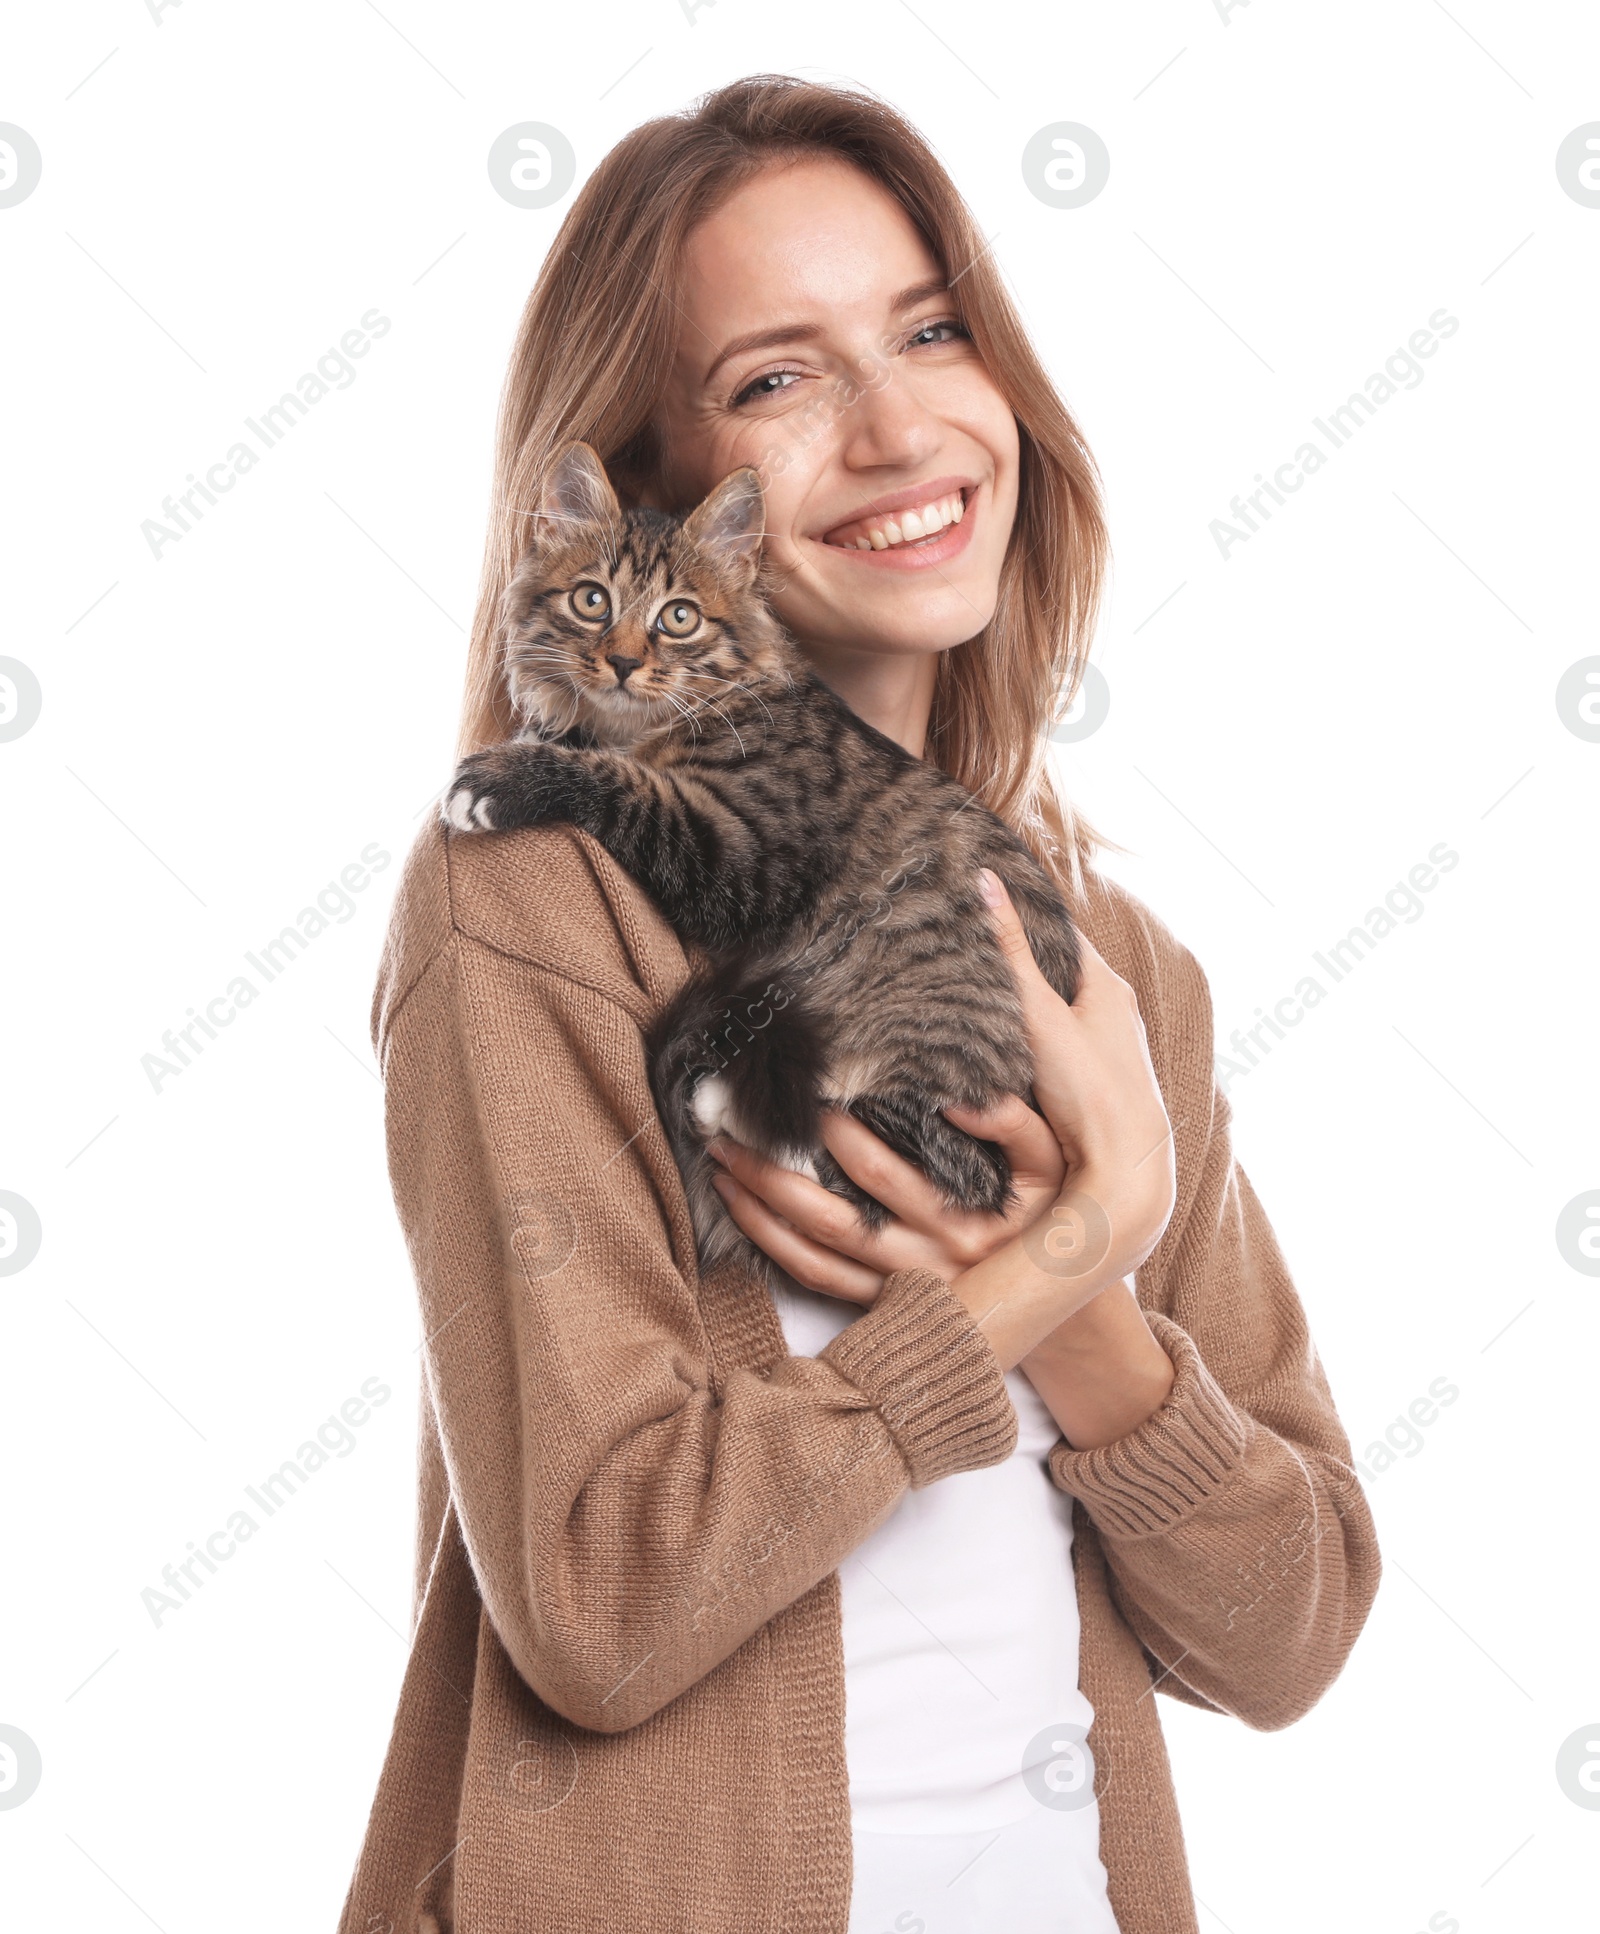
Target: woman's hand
(1104,1137)
(1094,1081)
(817,1237)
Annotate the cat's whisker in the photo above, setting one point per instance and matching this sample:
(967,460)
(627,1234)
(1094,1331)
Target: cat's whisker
(535,659)
(701,671)
(552,672)
(543,646)
(553,719)
(547,674)
(692,713)
(711,705)
(683,712)
(700,702)
(737,687)
(733,684)
(548,692)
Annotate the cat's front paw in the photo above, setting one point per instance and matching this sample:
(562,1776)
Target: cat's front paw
(525,782)
(470,800)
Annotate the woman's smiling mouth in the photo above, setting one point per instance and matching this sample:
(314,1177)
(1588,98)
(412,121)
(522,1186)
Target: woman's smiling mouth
(923,525)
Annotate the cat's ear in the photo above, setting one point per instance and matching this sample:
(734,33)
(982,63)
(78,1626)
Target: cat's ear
(576,490)
(730,524)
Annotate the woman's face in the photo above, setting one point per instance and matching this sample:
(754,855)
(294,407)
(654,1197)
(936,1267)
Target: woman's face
(820,344)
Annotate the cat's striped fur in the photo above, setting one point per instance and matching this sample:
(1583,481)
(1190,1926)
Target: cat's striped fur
(831,876)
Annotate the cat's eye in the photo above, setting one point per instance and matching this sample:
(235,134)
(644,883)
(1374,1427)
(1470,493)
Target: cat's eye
(679,619)
(591,602)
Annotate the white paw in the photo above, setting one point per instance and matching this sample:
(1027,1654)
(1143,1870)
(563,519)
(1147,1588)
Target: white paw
(712,1108)
(709,1105)
(465,816)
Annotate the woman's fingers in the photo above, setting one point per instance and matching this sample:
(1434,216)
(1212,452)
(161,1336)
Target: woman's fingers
(1013,940)
(922,1231)
(1053,1026)
(1092,1072)
(1096,977)
(1099,982)
(803,1205)
(888,1178)
(1027,1140)
(809,1263)
(1095,970)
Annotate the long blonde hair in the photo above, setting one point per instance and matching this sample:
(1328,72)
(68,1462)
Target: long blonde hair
(591,359)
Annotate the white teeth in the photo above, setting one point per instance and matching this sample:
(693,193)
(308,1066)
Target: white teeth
(911,525)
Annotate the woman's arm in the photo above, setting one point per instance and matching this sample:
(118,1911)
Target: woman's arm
(1102,1372)
(1197,1427)
(1240,1545)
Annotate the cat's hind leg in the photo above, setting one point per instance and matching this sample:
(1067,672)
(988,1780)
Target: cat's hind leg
(971,1174)
(747,1064)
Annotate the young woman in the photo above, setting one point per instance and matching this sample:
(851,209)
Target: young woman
(838,1609)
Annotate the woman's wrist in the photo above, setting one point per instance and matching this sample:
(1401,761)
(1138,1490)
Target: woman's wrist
(1024,1292)
(1101,1372)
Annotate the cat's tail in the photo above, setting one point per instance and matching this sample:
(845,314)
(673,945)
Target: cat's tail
(742,1057)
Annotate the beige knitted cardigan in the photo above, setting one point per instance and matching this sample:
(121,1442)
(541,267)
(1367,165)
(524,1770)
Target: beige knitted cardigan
(624,1703)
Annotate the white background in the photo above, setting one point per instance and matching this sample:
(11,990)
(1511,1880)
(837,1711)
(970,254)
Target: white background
(1293,192)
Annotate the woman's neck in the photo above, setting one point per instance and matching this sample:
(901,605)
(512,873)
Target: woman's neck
(893,694)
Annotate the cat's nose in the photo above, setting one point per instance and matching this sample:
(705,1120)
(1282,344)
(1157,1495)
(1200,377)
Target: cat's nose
(622,665)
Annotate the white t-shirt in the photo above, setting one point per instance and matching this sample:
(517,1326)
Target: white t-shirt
(971,1804)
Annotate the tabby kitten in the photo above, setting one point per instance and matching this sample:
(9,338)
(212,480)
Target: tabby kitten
(829,876)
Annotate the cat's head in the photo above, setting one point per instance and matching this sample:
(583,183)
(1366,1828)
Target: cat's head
(626,620)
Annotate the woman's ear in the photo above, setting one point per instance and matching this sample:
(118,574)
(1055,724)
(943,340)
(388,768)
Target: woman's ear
(576,490)
(730,524)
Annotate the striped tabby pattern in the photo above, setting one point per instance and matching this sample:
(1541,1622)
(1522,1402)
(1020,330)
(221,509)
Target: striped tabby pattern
(830,876)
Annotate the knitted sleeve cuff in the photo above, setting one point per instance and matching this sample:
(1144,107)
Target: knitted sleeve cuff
(932,1376)
(1173,1463)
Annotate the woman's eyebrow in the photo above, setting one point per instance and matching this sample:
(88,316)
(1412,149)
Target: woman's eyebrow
(792,332)
(919,292)
(775,338)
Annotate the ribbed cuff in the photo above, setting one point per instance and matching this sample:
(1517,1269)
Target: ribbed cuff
(1173,1463)
(932,1376)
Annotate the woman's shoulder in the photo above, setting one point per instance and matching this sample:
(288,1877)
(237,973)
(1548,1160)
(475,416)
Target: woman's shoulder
(547,895)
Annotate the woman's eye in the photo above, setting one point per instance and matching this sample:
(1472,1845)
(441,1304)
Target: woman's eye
(679,618)
(590,602)
(768,384)
(773,382)
(937,332)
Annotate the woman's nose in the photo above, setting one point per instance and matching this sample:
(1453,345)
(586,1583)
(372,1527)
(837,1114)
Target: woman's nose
(887,423)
